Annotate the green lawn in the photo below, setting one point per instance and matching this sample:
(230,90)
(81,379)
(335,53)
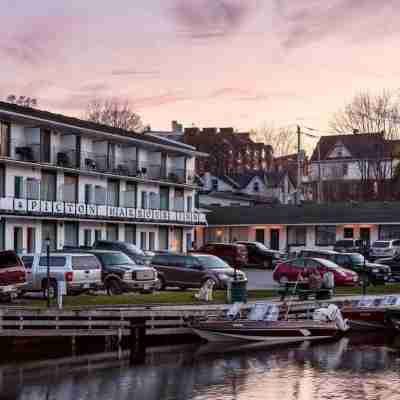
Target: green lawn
(187,297)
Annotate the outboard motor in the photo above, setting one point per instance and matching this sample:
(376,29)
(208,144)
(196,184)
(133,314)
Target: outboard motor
(331,314)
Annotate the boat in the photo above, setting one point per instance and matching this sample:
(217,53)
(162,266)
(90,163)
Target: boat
(371,313)
(263,325)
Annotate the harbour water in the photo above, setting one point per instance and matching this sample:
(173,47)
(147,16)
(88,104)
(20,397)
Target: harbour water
(362,367)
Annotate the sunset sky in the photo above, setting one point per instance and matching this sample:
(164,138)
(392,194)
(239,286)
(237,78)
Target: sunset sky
(203,62)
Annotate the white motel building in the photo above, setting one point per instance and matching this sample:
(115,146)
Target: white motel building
(75,181)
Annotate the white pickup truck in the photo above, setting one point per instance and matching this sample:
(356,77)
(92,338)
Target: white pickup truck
(80,272)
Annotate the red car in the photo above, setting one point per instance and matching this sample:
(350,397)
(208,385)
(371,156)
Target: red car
(235,255)
(12,275)
(289,271)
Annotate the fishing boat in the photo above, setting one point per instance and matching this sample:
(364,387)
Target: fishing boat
(263,324)
(373,314)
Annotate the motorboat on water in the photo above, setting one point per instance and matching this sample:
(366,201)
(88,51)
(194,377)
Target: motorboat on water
(263,324)
(372,313)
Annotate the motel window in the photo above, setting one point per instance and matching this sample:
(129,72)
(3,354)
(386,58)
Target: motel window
(389,232)
(98,235)
(113,193)
(112,232)
(100,195)
(163,235)
(32,188)
(31,232)
(348,233)
(130,234)
(143,242)
(189,204)
(325,235)
(18,187)
(144,199)
(152,241)
(48,186)
(296,235)
(130,195)
(164,198)
(18,241)
(71,234)
(87,233)
(4,139)
(49,231)
(88,193)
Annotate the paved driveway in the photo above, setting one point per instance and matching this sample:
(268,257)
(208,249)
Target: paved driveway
(259,279)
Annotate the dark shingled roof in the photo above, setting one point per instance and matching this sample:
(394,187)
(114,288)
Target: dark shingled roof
(244,178)
(80,123)
(334,213)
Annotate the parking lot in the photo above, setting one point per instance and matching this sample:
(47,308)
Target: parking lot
(259,279)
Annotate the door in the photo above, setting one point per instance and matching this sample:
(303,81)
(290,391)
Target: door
(71,234)
(274,243)
(70,189)
(45,144)
(365,235)
(112,232)
(48,186)
(260,235)
(49,231)
(31,239)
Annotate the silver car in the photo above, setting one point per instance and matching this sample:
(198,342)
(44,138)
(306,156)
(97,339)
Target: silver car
(80,272)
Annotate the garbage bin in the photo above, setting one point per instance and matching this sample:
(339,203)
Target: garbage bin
(237,292)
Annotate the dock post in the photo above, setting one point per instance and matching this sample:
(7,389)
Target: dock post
(137,341)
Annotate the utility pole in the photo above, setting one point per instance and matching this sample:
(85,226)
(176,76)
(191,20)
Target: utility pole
(298,164)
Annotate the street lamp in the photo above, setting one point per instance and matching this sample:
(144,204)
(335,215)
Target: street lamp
(47,244)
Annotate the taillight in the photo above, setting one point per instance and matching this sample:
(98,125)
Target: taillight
(69,276)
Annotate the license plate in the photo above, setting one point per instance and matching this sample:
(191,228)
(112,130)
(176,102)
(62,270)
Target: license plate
(146,287)
(86,286)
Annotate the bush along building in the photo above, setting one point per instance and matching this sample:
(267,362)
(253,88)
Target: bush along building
(75,181)
(295,227)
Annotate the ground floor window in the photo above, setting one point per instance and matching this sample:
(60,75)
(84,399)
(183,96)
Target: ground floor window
(325,235)
(112,232)
(49,231)
(163,235)
(189,241)
(18,239)
(152,241)
(296,235)
(98,235)
(87,234)
(389,232)
(130,234)
(71,234)
(348,233)
(31,239)
(143,240)
(178,240)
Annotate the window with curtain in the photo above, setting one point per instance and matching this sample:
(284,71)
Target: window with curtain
(325,235)
(296,235)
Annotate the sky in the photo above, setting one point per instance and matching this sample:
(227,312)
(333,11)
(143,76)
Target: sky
(240,63)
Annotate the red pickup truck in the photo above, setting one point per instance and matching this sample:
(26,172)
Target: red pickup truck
(12,275)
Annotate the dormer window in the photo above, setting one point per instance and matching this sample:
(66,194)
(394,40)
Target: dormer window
(256,187)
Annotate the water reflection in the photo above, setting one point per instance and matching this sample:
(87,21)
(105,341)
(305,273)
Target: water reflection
(356,367)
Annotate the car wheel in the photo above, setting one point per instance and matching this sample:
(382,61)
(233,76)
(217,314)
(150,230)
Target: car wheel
(113,287)
(209,281)
(160,285)
(283,280)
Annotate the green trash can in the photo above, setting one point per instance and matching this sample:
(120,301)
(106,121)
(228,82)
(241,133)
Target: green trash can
(237,292)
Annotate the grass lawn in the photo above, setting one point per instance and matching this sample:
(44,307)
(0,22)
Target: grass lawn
(187,297)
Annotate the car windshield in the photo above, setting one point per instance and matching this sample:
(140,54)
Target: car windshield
(261,246)
(131,247)
(115,259)
(211,262)
(381,244)
(357,258)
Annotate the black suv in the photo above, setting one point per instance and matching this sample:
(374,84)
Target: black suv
(129,249)
(261,256)
(394,264)
(192,271)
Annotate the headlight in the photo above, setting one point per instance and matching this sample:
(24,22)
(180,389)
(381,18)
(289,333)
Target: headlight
(375,270)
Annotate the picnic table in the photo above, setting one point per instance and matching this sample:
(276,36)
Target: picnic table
(303,291)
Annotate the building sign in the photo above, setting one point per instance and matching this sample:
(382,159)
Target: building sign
(58,208)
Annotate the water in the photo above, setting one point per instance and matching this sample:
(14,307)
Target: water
(354,368)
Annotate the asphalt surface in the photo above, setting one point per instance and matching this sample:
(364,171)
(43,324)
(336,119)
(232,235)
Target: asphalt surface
(259,279)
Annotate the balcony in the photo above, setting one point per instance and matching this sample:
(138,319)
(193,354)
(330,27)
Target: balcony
(68,158)
(28,152)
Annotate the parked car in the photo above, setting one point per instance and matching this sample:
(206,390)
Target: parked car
(373,273)
(134,252)
(288,271)
(80,271)
(394,264)
(261,256)
(12,275)
(349,246)
(385,248)
(235,255)
(121,274)
(193,270)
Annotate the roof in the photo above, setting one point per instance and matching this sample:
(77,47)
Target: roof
(239,197)
(244,178)
(360,145)
(83,124)
(329,213)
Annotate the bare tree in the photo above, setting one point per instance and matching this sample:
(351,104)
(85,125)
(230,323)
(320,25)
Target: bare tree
(370,113)
(114,112)
(23,101)
(283,140)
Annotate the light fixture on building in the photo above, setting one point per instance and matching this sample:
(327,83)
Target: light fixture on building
(219,232)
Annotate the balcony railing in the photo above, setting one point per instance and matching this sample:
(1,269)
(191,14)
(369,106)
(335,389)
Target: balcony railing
(28,152)
(68,158)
